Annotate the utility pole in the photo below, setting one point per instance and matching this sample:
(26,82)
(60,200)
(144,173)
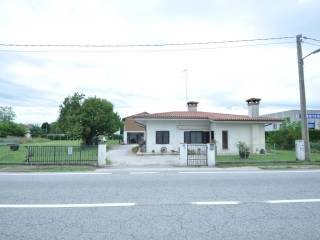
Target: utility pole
(303,111)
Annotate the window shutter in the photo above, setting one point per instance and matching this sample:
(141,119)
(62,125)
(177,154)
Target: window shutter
(166,137)
(212,136)
(224,139)
(186,137)
(158,137)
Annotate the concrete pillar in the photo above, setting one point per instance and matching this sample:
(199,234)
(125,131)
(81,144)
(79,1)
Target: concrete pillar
(300,152)
(102,154)
(125,137)
(183,159)
(211,154)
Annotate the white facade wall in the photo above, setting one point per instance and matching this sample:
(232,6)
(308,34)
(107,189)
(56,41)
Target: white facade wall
(251,133)
(176,130)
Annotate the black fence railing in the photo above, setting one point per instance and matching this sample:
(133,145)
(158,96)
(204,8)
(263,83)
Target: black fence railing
(62,155)
(197,155)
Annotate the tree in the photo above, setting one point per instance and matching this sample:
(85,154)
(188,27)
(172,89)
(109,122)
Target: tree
(54,128)
(285,137)
(69,117)
(7,113)
(87,118)
(98,118)
(36,131)
(45,127)
(8,128)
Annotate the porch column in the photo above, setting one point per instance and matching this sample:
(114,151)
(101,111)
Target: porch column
(125,137)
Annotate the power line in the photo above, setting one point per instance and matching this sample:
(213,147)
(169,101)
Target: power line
(314,39)
(143,45)
(146,51)
(313,44)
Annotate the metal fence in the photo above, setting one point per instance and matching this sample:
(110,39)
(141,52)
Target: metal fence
(197,155)
(62,155)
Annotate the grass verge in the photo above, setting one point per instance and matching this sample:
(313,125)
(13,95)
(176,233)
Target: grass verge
(293,165)
(20,168)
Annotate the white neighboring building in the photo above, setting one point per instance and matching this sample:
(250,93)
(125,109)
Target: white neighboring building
(168,129)
(313,117)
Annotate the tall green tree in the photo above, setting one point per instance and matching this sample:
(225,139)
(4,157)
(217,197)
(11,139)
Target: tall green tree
(87,117)
(69,117)
(98,118)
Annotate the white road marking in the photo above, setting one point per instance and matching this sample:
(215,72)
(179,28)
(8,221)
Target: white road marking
(56,173)
(249,172)
(84,205)
(216,203)
(293,201)
(143,172)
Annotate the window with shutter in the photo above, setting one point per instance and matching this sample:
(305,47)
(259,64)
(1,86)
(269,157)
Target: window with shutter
(162,137)
(224,139)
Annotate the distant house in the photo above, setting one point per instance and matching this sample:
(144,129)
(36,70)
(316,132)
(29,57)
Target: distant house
(165,131)
(133,132)
(313,118)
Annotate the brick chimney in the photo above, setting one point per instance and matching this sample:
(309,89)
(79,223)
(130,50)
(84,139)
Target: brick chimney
(192,106)
(253,107)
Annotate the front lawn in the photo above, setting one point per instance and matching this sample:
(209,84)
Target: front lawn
(272,156)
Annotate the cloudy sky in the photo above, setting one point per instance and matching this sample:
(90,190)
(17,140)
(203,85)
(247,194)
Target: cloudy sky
(35,80)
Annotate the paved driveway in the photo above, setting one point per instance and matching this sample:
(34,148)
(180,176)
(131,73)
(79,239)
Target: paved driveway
(121,155)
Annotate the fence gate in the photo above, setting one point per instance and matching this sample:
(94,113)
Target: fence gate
(197,155)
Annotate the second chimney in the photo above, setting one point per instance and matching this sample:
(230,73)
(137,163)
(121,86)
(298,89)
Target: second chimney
(253,107)
(192,106)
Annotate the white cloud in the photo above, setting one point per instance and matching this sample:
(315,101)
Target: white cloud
(221,79)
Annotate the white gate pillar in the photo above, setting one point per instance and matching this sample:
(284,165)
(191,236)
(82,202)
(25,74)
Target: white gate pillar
(211,155)
(102,154)
(183,158)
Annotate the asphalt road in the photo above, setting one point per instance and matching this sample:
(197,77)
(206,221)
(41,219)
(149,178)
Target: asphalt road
(161,205)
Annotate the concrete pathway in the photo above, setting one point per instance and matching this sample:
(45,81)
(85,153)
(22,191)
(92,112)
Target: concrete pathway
(122,156)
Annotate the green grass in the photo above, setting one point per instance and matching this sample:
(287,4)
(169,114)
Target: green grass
(112,142)
(271,165)
(46,153)
(12,157)
(21,168)
(273,156)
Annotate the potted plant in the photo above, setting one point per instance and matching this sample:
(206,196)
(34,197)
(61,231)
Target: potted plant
(243,150)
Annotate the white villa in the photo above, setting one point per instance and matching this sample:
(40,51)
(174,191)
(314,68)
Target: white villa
(165,131)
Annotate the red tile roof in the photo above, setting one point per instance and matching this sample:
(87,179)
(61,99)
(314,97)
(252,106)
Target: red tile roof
(136,115)
(204,115)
